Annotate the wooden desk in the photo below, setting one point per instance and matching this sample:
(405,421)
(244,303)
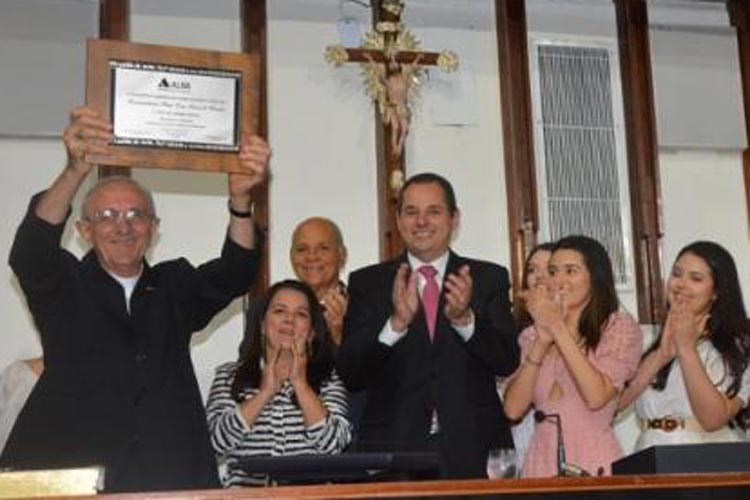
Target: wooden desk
(673,486)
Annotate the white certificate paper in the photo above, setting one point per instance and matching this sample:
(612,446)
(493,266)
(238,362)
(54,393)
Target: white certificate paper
(175,107)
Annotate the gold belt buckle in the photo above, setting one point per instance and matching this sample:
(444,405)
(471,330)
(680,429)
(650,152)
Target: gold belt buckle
(666,424)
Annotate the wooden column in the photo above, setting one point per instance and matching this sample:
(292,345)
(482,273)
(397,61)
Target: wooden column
(114,19)
(389,238)
(254,41)
(515,99)
(643,161)
(739,16)
(114,24)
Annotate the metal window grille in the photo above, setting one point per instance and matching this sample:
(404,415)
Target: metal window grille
(580,153)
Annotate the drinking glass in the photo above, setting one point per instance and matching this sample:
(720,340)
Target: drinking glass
(502,463)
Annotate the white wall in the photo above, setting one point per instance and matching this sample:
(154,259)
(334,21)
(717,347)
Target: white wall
(704,198)
(457,132)
(321,130)
(701,69)
(43,46)
(26,166)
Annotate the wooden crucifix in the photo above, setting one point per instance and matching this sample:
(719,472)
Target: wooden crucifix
(392,65)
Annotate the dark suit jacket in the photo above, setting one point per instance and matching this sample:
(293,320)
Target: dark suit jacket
(404,383)
(119,388)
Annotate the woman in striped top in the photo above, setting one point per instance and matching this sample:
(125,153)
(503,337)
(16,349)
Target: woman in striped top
(282,397)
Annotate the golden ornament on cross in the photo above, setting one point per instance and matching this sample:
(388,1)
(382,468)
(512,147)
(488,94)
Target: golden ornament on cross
(393,64)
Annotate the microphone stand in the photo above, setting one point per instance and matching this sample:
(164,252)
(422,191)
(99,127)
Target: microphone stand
(539,417)
(564,469)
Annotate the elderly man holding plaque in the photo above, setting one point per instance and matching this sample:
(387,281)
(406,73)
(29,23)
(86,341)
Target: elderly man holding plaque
(119,388)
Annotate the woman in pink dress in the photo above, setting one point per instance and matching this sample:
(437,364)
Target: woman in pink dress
(577,356)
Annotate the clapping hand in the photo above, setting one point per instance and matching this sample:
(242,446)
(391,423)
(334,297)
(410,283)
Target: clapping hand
(335,302)
(298,367)
(275,370)
(458,289)
(405,298)
(684,327)
(547,309)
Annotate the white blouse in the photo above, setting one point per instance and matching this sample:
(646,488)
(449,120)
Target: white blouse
(673,401)
(16,383)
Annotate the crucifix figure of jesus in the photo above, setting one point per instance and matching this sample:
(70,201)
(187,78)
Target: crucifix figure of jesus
(392,65)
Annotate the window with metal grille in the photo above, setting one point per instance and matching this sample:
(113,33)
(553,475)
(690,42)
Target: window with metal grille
(580,148)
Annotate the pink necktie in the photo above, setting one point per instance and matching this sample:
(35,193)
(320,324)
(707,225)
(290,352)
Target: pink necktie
(430,297)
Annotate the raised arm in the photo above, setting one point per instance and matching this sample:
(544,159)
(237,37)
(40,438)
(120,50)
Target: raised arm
(86,134)
(254,155)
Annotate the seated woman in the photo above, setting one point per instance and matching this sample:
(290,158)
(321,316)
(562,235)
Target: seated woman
(694,379)
(577,355)
(282,397)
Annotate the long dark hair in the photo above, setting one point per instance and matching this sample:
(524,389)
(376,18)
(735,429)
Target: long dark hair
(727,324)
(320,356)
(603,297)
(521,314)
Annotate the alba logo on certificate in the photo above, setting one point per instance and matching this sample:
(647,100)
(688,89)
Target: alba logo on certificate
(165,84)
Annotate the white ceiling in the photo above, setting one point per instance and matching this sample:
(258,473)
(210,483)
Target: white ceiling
(66,20)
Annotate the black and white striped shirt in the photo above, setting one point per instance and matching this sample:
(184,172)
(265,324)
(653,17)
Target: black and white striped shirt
(280,428)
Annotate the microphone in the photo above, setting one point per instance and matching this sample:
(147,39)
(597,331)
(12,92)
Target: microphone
(564,469)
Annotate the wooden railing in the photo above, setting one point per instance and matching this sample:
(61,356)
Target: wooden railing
(693,486)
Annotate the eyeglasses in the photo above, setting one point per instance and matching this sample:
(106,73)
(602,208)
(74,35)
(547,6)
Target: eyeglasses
(112,216)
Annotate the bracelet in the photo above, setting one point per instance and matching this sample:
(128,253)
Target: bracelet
(532,362)
(237,213)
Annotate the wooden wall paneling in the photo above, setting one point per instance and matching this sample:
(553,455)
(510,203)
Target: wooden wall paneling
(114,24)
(515,99)
(254,41)
(643,162)
(739,16)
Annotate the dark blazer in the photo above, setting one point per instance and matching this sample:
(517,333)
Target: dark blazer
(404,383)
(118,388)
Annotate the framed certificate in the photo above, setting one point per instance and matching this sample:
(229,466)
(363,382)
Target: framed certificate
(172,107)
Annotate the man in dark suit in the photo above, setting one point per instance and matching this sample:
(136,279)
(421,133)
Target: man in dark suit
(118,388)
(425,336)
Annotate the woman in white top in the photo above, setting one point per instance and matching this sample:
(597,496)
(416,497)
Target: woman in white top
(694,380)
(16,383)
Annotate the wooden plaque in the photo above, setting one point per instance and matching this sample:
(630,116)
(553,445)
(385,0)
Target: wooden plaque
(168,93)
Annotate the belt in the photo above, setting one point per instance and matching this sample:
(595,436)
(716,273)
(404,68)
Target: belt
(669,424)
